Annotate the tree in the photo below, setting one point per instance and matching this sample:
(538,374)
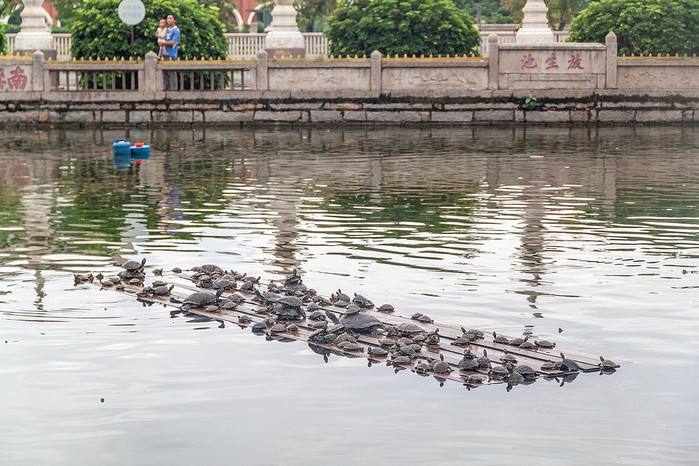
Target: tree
(3,38)
(98,32)
(313,12)
(492,11)
(401,27)
(641,26)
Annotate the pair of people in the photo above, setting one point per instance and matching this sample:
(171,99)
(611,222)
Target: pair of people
(168,40)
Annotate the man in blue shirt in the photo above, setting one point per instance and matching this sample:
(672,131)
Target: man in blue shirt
(171,43)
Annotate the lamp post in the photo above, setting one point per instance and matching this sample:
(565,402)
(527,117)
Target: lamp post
(535,28)
(34,34)
(283,35)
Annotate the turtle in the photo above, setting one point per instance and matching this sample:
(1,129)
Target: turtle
(352,309)
(569,365)
(514,377)
(228,304)
(157,283)
(135,281)
(244,319)
(516,341)
(387,342)
(278,328)
(362,302)
(385,308)
(163,290)
(158,272)
(407,328)
(401,361)
(468,362)
(423,367)
(205,281)
(292,328)
(200,299)
(362,323)
(472,379)
(351,347)
(288,307)
(406,351)
(377,352)
(212,308)
(477,334)
(498,371)
(548,366)
(318,324)
(317,315)
(176,270)
(424,319)
(607,364)
(526,371)
(134,266)
(500,339)
(106,283)
(211,269)
(441,366)
(224,283)
(544,344)
(119,286)
(526,344)
(508,358)
(432,338)
(484,361)
(340,296)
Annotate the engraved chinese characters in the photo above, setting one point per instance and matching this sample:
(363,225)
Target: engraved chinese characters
(574,62)
(13,79)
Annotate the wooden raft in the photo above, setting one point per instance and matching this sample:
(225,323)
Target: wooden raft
(448,333)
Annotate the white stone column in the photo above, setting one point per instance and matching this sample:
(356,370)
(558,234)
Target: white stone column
(34,34)
(535,28)
(283,35)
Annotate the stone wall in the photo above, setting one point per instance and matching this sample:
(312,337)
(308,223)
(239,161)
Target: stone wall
(543,84)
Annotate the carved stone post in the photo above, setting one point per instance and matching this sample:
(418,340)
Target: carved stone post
(376,85)
(34,34)
(612,59)
(38,71)
(493,62)
(150,83)
(283,35)
(535,28)
(262,71)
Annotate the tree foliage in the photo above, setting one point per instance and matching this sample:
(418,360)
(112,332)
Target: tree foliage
(98,32)
(314,13)
(401,27)
(641,26)
(492,11)
(3,39)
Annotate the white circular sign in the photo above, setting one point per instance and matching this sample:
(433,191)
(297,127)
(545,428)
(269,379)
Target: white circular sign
(132,11)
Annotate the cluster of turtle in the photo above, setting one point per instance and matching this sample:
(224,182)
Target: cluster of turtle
(405,345)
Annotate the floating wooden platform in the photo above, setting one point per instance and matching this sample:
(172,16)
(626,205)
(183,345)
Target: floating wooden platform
(448,333)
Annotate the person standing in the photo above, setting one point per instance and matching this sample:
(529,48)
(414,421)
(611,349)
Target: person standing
(171,43)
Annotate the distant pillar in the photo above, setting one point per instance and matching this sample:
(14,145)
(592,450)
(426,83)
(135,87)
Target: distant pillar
(283,35)
(535,27)
(493,62)
(34,34)
(612,58)
(376,71)
(261,71)
(38,71)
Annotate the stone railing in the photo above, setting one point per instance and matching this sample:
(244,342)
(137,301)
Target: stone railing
(246,45)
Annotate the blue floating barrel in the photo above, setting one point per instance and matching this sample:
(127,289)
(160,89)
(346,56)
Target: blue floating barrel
(140,151)
(121,147)
(122,161)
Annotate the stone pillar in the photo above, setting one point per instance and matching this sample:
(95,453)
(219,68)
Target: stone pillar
(283,35)
(34,34)
(150,82)
(612,58)
(38,71)
(376,84)
(493,62)
(535,28)
(262,71)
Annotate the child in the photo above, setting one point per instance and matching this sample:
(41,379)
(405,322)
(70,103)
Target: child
(161,33)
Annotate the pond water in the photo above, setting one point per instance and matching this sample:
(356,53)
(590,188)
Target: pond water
(593,231)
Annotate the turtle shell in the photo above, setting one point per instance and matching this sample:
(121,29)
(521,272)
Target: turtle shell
(468,364)
(361,322)
(211,269)
(361,301)
(290,301)
(133,265)
(201,298)
(407,328)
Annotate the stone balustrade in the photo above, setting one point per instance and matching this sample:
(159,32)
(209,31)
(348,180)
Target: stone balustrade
(551,83)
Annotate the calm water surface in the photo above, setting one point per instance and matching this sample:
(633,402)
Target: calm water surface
(595,232)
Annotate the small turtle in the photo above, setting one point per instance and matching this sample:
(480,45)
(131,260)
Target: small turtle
(261,325)
(441,366)
(386,308)
(484,361)
(362,302)
(157,283)
(468,362)
(340,296)
(424,319)
(318,324)
(377,352)
(292,328)
(508,358)
(352,309)
(401,361)
(134,266)
(224,283)
(351,347)
(514,377)
(387,342)
(201,299)
(119,286)
(516,341)
(432,338)
(278,328)
(548,366)
(498,372)
(317,315)
(158,272)
(527,344)
(163,290)
(106,283)
(544,344)
(526,371)
(211,269)
(472,331)
(500,339)
(176,270)
(211,308)
(607,364)
(134,281)
(423,367)
(408,329)
(244,319)
(569,365)
(472,379)
(228,304)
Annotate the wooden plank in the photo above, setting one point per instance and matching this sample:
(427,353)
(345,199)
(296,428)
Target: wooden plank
(184,285)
